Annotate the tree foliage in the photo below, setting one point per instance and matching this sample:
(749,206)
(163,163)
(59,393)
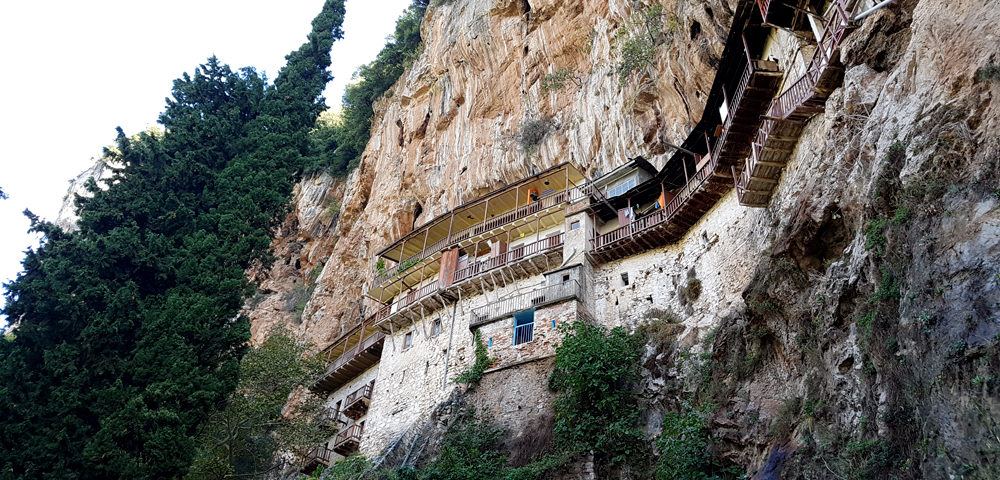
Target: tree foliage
(243,438)
(595,371)
(129,328)
(338,144)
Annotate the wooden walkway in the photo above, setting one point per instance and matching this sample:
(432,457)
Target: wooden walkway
(713,176)
(779,133)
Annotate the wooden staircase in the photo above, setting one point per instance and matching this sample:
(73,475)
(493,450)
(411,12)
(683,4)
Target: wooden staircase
(781,128)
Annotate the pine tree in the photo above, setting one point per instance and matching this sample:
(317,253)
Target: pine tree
(129,330)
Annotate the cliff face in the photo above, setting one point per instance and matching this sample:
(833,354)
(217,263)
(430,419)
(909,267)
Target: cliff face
(854,320)
(449,131)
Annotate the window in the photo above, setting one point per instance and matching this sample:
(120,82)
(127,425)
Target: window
(622,187)
(574,225)
(565,278)
(524,326)
(436,327)
(407,340)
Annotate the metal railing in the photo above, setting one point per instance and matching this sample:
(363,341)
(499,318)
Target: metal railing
(522,301)
(524,333)
(510,256)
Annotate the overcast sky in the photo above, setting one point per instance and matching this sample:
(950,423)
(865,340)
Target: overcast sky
(72,71)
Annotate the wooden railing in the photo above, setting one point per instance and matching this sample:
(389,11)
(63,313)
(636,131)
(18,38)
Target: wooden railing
(338,359)
(523,211)
(510,256)
(321,454)
(518,302)
(351,433)
(361,393)
(802,90)
(663,215)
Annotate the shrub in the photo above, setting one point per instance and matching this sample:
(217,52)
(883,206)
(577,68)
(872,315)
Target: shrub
(533,132)
(595,371)
(693,289)
(988,73)
(661,326)
(637,41)
(557,80)
(474,373)
(683,447)
(875,240)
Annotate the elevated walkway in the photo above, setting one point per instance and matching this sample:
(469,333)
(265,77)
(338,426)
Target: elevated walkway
(779,133)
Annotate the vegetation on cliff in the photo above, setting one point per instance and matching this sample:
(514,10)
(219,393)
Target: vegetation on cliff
(243,439)
(337,145)
(129,332)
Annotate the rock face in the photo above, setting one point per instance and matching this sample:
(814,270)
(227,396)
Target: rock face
(449,131)
(851,329)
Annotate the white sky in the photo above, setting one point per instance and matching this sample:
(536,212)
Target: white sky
(71,71)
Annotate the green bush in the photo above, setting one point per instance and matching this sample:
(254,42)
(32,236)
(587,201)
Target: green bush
(637,41)
(557,80)
(684,448)
(595,371)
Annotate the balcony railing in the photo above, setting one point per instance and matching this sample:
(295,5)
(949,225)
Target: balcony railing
(663,215)
(510,256)
(520,302)
(337,355)
(362,393)
(802,90)
(543,203)
(321,455)
(347,441)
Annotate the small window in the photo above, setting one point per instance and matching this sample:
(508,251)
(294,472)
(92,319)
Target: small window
(407,340)
(625,278)
(574,225)
(524,327)
(565,278)
(436,328)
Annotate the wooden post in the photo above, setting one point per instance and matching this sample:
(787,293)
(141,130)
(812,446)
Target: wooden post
(361,337)
(426,234)
(402,251)
(746,49)
(451,225)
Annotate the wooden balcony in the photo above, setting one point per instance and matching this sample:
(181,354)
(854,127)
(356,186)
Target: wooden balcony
(489,273)
(356,404)
(349,356)
(519,302)
(779,133)
(519,262)
(321,455)
(348,441)
(516,203)
(713,177)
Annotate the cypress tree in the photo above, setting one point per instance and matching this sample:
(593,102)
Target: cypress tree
(128,329)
